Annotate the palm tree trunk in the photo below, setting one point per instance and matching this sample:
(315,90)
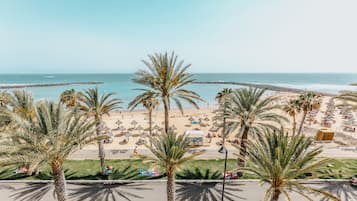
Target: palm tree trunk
(150,126)
(59,180)
(166,109)
(171,187)
(100,148)
(294,125)
(243,149)
(302,122)
(276,195)
(37,170)
(224,126)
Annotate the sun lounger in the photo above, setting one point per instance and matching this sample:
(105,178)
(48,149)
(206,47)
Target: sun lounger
(123,142)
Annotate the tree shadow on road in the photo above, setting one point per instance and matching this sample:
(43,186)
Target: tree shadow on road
(6,187)
(108,191)
(33,191)
(342,189)
(207,191)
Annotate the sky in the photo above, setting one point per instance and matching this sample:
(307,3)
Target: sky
(231,36)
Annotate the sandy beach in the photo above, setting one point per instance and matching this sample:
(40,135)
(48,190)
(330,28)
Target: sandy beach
(133,127)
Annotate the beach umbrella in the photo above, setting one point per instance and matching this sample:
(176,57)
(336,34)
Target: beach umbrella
(139,127)
(118,122)
(144,134)
(133,123)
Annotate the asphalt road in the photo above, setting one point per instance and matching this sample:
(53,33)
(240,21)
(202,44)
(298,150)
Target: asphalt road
(155,191)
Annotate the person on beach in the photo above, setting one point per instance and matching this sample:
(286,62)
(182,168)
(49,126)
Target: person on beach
(135,150)
(109,170)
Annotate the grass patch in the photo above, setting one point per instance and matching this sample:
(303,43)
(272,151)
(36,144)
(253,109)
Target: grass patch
(86,169)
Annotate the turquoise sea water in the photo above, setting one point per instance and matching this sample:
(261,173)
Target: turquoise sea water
(122,85)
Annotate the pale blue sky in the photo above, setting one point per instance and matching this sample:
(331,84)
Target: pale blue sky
(74,36)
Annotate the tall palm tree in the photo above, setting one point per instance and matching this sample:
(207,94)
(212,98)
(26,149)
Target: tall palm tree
(169,154)
(167,77)
(253,113)
(22,103)
(222,98)
(149,101)
(350,97)
(97,106)
(279,161)
(4,99)
(292,108)
(54,135)
(71,98)
(5,120)
(307,102)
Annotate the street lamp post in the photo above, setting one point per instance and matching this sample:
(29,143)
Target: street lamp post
(225,151)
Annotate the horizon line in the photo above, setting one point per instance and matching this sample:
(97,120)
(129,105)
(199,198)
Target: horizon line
(107,73)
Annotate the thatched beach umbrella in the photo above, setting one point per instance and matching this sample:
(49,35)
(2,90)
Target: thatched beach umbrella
(133,123)
(173,127)
(144,134)
(139,127)
(118,122)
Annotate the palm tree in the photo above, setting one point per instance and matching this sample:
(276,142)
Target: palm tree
(307,102)
(279,161)
(97,106)
(253,113)
(4,104)
(71,98)
(169,150)
(350,97)
(149,101)
(54,135)
(222,98)
(4,99)
(22,103)
(292,108)
(166,77)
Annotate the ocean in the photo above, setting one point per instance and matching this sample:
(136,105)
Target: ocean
(122,84)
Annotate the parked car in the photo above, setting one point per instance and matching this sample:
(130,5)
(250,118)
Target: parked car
(354,180)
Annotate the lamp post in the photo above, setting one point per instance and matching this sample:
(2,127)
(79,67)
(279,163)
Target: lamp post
(225,151)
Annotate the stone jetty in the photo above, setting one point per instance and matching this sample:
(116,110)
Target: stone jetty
(27,85)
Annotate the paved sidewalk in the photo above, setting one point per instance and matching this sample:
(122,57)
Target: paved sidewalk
(249,190)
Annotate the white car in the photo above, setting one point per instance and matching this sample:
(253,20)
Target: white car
(354,180)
